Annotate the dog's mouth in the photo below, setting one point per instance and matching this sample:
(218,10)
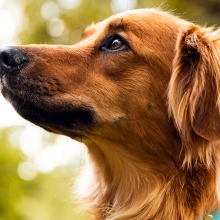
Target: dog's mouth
(51,114)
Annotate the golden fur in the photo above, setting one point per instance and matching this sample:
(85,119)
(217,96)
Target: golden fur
(152,113)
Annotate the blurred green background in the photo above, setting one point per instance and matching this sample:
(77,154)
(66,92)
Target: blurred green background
(37,169)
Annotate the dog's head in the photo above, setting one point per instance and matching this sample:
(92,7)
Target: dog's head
(113,83)
(116,74)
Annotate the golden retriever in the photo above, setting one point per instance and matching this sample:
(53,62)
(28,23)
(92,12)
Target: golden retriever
(141,90)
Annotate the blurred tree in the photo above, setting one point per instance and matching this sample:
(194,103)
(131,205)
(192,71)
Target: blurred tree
(47,197)
(10,182)
(52,23)
(205,12)
(41,24)
(199,11)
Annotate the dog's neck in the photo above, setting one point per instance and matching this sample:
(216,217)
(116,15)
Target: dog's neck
(123,183)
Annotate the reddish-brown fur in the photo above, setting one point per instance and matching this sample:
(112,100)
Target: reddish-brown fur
(153,145)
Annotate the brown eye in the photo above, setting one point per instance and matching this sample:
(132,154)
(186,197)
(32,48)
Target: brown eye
(116,44)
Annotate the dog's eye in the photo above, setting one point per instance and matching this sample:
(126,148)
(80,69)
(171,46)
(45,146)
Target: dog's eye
(114,43)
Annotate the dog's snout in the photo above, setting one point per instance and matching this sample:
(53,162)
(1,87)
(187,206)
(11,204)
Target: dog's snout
(11,58)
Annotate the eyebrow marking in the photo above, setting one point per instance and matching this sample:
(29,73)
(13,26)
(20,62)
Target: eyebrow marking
(113,26)
(116,26)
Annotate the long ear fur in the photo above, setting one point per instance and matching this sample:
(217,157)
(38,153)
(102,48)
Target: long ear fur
(194,90)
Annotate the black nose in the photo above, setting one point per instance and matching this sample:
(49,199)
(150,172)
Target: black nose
(11,59)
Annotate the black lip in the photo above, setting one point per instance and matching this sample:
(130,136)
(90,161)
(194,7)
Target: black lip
(79,118)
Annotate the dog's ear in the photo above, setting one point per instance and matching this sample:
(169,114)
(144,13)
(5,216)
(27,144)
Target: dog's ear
(194,90)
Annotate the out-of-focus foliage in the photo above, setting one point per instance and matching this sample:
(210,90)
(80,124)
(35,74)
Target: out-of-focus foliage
(71,21)
(199,11)
(47,197)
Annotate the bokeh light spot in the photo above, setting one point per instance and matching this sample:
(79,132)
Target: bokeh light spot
(7,25)
(50,10)
(68,4)
(55,27)
(31,140)
(123,5)
(27,171)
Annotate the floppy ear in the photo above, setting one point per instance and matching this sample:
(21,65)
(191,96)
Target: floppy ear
(194,90)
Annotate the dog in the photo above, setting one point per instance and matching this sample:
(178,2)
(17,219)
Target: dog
(141,90)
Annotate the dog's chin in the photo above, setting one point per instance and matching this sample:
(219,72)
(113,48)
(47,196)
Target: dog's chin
(73,121)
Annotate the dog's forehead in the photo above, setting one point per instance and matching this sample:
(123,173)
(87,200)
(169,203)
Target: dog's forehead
(120,19)
(133,19)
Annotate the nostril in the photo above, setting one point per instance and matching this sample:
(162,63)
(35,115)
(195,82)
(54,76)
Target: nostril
(7,60)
